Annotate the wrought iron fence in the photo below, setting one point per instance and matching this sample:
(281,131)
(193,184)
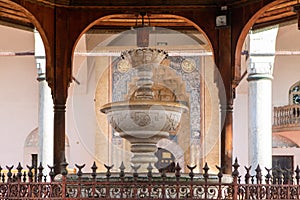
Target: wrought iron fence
(276,184)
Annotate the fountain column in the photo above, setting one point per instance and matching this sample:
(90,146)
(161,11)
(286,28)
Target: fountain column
(260,70)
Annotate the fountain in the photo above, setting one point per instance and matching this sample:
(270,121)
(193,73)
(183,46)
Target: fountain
(149,113)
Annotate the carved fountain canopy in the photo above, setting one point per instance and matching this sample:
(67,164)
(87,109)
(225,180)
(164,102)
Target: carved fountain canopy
(141,57)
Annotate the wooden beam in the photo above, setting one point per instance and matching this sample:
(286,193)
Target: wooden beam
(121,24)
(284,4)
(274,22)
(14,17)
(277,12)
(12,12)
(275,17)
(16,24)
(155,20)
(6,8)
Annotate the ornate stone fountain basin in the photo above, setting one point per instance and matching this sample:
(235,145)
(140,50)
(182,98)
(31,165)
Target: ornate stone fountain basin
(143,123)
(126,116)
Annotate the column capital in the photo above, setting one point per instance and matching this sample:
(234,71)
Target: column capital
(41,69)
(40,58)
(260,70)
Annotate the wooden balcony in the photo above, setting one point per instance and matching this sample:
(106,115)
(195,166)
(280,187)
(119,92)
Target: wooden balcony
(286,118)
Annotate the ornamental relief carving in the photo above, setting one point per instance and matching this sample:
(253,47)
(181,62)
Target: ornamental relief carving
(141,118)
(160,120)
(114,122)
(260,68)
(172,122)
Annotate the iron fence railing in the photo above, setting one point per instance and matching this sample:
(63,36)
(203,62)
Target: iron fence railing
(275,184)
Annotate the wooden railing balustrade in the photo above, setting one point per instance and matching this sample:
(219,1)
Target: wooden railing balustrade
(286,118)
(275,184)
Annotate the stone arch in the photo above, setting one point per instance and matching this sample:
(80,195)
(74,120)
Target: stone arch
(279,141)
(31,145)
(180,158)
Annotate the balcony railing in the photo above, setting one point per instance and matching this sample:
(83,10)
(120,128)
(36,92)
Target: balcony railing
(286,118)
(278,184)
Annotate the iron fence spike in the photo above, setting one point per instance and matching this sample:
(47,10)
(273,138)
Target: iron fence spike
(258,174)
(94,170)
(9,174)
(19,174)
(122,166)
(235,166)
(205,168)
(40,174)
(108,168)
(177,171)
(135,169)
(122,172)
(64,165)
(41,166)
(268,175)
(191,168)
(220,174)
(80,167)
(247,175)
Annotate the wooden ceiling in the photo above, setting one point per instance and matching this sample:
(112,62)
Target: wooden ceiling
(12,16)
(116,3)
(281,12)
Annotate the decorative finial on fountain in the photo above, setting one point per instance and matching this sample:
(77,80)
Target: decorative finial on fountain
(144,60)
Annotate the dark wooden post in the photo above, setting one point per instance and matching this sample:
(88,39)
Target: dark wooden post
(59,136)
(227,137)
(63,46)
(223,40)
(224,63)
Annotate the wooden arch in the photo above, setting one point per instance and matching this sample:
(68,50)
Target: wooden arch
(61,26)
(243,34)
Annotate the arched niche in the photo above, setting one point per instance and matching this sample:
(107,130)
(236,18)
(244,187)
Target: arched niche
(31,146)
(109,46)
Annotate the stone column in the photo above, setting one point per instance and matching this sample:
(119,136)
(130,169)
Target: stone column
(260,70)
(260,115)
(45,125)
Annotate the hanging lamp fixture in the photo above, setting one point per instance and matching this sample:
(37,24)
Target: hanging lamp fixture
(143,31)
